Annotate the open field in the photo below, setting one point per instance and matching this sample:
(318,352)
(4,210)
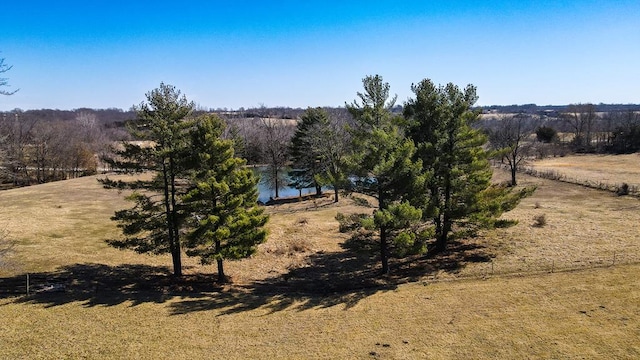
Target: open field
(612,170)
(495,297)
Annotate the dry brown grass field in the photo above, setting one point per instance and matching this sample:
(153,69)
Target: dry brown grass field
(568,288)
(594,169)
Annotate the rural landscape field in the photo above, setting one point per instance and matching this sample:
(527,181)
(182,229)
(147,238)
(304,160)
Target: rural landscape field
(567,288)
(320,180)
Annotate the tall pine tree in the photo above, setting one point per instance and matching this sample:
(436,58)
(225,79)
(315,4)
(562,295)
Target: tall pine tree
(306,159)
(458,174)
(153,224)
(226,222)
(318,150)
(382,159)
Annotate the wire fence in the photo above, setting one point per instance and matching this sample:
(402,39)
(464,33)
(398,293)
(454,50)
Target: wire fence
(620,189)
(526,267)
(30,284)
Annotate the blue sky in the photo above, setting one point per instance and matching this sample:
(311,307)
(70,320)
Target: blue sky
(100,54)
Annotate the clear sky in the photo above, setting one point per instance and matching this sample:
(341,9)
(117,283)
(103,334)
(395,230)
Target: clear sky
(102,54)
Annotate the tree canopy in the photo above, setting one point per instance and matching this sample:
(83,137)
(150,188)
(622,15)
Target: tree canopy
(198,186)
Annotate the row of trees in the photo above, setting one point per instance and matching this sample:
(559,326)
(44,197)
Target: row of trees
(45,145)
(583,129)
(33,151)
(37,151)
(427,168)
(519,137)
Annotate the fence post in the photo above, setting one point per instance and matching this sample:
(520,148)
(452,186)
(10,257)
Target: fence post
(553,265)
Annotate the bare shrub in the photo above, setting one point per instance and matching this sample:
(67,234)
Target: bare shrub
(350,222)
(295,245)
(299,245)
(623,189)
(540,220)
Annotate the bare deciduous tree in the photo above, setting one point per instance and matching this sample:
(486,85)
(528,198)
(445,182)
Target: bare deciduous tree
(275,138)
(17,132)
(582,119)
(511,137)
(331,142)
(4,81)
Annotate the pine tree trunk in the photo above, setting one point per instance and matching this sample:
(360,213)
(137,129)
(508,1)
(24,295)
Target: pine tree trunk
(444,220)
(177,256)
(170,208)
(441,242)
(513,176)
(384,256)
(221,276)
(177,261)
(335,194)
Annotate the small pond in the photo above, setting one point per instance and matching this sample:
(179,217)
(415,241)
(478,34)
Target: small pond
(265,192)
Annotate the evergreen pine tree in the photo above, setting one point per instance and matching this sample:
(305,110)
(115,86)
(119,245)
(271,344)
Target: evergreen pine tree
(458,174)
(318,149)
(226,222)
(153,224)
(382,159)
(305,157)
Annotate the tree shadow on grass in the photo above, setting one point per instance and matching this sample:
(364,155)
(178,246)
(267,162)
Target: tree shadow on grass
(327,279)
(341,278)
(458,254)
(335,279)
(100,285)
(323,283)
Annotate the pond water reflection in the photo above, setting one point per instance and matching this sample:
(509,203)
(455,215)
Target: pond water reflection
(265,192)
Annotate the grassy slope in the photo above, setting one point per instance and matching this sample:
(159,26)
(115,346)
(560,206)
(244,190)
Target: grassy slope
(590,313)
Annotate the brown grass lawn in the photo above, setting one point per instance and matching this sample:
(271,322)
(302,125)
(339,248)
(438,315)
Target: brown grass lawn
(305,295)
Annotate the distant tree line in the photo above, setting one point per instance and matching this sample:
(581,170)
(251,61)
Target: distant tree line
(534,109)
(44,145)
(34,151)
(578,128)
